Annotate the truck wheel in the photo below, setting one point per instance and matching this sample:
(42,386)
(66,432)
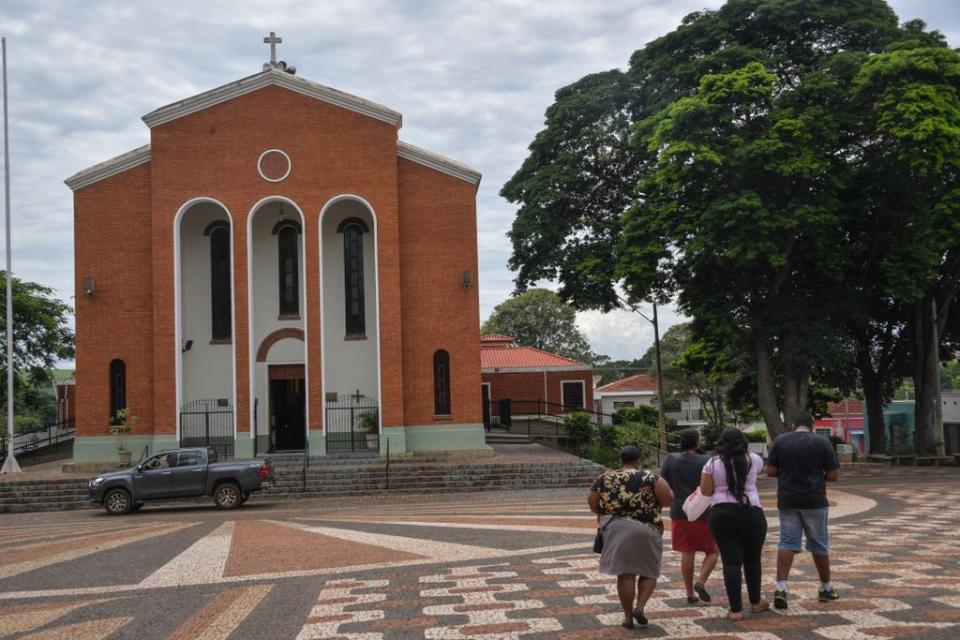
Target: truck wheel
(117,502)
(227,496)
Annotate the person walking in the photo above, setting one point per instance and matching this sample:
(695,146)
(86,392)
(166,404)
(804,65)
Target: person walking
(736,518)
(628,503)
(682,473)
(803,462)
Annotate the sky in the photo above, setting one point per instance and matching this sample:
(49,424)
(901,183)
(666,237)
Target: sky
(472,80)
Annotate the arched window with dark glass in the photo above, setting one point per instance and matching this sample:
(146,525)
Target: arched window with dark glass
(220,320)
(353,230)
(441,383)
(288,245)
(118,387)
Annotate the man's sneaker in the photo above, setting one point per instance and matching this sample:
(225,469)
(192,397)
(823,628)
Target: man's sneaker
(826,596)
(779,599)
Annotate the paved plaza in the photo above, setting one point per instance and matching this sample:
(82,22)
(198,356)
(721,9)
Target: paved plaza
(493,565)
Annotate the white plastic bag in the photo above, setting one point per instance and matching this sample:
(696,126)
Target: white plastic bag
(695,504)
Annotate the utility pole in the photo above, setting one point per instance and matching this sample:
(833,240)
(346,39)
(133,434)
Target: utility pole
(661,422)
(10,464)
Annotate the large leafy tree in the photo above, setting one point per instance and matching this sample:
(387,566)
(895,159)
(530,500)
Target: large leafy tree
(718,170)
(41,337)
(539,318)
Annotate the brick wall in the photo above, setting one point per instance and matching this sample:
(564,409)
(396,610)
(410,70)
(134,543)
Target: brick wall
(438,240)
(112,245)
(530,386)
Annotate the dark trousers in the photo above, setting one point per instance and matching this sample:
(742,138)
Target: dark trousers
(740,533)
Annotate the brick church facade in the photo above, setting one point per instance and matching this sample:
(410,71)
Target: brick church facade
(275,271)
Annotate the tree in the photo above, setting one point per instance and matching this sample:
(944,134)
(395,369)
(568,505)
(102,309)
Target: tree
(539,318)
(722,164)
(41,337)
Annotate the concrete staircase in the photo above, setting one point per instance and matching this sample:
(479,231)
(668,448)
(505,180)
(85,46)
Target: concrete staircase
(43,495)
(330,478)
(346,475)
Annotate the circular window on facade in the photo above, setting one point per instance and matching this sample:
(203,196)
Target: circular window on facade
(273,165)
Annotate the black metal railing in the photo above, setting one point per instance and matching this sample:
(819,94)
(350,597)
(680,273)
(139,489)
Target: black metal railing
(352,424)
(50,438)
(505,412)
(208,423)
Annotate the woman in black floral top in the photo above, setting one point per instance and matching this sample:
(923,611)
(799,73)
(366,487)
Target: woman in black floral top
(628,502)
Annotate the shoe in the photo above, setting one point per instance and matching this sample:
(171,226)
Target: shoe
(701,591)
(692,599)
(779,599)
(760,607)
(734,616)
(640,618)
(627,624)
(826,596)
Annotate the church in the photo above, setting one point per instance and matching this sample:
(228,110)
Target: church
(276,271)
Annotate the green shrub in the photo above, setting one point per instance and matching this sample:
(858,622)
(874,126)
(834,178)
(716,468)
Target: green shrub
(578,429)
(25,423)
(609,436)
(756,436)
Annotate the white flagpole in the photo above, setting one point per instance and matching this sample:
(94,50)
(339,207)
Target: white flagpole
(10,464)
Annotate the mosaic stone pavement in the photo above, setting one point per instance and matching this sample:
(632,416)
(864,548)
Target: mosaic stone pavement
(482,566)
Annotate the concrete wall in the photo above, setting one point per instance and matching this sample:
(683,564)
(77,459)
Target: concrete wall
(265,301)
(350,364)
(207,368)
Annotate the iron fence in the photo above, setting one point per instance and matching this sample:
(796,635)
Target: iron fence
(208,423)
(352,423)
(40,439)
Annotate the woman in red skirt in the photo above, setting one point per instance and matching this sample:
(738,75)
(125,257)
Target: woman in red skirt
(682,472)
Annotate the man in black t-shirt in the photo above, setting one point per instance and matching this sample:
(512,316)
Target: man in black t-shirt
(803,462)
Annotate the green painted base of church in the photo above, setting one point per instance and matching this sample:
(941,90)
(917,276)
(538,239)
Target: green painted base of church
(103,449)
(451,439)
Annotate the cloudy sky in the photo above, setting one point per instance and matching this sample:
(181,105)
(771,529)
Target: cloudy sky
(472,80)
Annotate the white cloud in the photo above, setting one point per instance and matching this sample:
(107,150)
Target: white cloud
(472,80)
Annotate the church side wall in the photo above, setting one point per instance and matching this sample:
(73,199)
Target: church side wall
(113,246)
(438,242)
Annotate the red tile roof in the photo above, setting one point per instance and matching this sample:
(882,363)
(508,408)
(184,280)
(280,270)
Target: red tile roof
(848,405)
(638,382)
(501,352)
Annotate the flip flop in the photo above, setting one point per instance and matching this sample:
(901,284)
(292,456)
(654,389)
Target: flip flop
(760,607)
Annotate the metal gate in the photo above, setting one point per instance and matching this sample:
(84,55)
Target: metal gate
(208,423)
(352,424)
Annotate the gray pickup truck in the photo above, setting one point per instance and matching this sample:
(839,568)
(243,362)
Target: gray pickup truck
(179,473)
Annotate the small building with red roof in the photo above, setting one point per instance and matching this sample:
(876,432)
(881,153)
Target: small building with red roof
(628,392)
(843,420)
(531,379)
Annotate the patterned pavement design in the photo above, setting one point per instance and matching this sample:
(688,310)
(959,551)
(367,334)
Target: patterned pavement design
(514,565)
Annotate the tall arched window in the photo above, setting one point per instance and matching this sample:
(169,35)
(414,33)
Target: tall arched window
(118,386)
(220,320)
(441,383)
(288,248)
(353,278)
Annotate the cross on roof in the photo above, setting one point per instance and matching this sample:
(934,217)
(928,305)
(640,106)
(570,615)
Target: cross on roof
(273,41)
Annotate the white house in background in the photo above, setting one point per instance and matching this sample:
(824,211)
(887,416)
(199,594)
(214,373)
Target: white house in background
(639,389)
(626,393)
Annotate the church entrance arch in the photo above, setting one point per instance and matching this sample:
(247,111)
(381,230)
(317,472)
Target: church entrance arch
(204,310)
(278,312)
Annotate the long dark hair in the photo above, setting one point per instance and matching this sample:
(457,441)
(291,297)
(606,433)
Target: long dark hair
(732,449)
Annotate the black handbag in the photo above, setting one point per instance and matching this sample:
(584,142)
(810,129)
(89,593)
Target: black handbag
(598,539)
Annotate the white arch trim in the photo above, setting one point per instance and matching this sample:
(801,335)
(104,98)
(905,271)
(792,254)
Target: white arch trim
(376,275)
(251,352)
(177,320)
